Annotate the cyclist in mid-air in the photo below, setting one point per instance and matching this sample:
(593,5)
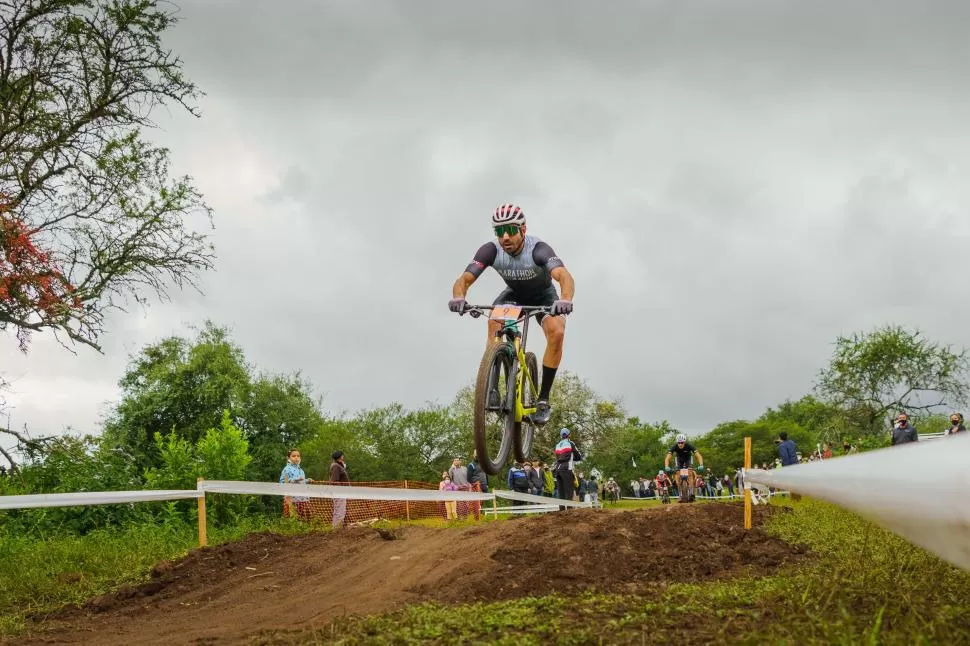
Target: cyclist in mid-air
(685,453)
(527,265)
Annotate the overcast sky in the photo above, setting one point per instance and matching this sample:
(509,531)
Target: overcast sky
(732,185)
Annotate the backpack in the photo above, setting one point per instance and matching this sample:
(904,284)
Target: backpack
(519,479)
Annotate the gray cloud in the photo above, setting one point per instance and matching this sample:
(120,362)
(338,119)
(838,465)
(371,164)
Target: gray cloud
(732,185)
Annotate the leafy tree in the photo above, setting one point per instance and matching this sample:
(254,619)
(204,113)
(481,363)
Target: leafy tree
(91,216)
(590,418)
(632,450)
(178,466)
(67,464)
(185,385)
(279,413)
(222,453)
(723,446)
(892,368)
(393,443)
(181,386)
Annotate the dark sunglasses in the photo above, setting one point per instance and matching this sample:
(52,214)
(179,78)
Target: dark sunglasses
(511,229)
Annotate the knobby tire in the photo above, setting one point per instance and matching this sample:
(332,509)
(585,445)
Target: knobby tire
(498,355)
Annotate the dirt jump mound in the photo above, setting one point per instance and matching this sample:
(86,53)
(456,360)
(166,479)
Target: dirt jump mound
(226,593)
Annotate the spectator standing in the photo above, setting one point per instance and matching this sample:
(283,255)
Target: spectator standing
(567,454)
(338,476)
(293,473)
(787,450)
(956,424)
(549,482)
(536,481)
(903,431)
(518,481)
(788,453)
(458,474)
(459,477)
(451,507)
(475,474)
(593,489)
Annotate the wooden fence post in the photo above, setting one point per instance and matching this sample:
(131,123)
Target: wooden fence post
(747,489)
(203,534)
(407,505)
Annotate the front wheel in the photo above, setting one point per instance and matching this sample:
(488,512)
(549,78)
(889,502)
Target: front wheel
(524,432)
(492,412)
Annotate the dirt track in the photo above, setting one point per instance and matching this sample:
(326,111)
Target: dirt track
(228,593)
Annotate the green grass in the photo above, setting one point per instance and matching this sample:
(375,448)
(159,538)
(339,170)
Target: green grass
(862,585)
(40,575)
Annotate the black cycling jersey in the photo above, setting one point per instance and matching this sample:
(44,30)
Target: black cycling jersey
(527,274)
(684,455)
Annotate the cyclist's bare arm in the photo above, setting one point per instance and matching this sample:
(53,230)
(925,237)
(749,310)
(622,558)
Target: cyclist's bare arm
(483,259)
(460,288)
(667,460)
(566,284)
(700,458)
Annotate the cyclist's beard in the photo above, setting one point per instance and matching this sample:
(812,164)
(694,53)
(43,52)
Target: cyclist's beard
(514,250)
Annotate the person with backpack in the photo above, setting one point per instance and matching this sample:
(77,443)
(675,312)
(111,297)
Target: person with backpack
(474,473)
(518,481)
(567,454)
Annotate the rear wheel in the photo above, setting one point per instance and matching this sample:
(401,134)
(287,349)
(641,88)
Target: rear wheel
(524,432)
(492,413)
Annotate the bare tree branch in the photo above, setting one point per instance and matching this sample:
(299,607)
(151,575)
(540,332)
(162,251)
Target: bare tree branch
(79,80)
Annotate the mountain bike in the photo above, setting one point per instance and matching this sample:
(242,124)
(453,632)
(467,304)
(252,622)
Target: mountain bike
(507,386)
(613,494)
(686,485)
(664,492)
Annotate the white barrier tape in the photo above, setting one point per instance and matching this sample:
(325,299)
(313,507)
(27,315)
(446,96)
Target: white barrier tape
(92,498)
(878,485)
(522,509)
(336,491)
(540,500)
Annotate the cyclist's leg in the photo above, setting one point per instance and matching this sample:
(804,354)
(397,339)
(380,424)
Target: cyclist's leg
(554,328)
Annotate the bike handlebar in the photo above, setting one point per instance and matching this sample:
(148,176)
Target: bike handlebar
(478,310)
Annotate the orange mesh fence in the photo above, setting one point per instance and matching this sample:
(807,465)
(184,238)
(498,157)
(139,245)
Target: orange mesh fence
(337,511)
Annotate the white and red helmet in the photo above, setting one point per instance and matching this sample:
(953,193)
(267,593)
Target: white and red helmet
(508,214)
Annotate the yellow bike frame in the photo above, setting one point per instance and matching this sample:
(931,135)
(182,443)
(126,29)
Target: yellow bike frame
(510,315)
(520,410)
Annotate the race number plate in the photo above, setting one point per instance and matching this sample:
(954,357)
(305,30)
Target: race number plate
(505,313)
(684,473)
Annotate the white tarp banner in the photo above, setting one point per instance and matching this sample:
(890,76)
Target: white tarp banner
(539,500)
(92,498)
(337,491)
(919,490)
